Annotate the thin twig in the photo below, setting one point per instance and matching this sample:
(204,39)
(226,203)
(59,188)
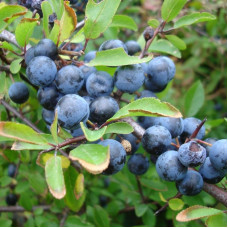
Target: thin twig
(65,214)
(19,115)
(140,188)
(178,195)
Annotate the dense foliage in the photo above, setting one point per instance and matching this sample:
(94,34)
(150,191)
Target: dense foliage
(113,113)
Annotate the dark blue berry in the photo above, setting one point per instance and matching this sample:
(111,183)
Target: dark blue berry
(29,55)
(191,185)
(208,148)
(72,109)
(190,125)
(18,92)
(69,80)
(192,154)
(99,83)
(12,170)
(41,71)
(138,164)
(46,47)
(133,47)
(48,116)
(209,173)
(161,70)
(169,167)
(89,56)
(48,96)
(103,108)
(11,199)
(129,78)
(117,156)
(218,155)
(112,44)
(156,139)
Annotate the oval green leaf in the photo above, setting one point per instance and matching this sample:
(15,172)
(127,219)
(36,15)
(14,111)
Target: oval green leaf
(116,57)
(92,135)
(171,8)
(123,21)
(119,128)
(54,128)
(194,99)
(219,220)
(194,18)
(176,204)
(153,23)
(99,17)
(21,132)
(68,22)
(24,30)
(176,41)
(79,186)
(15,66)
(164,46)
(93,157)
(54,177)
(196,212)
(147,107)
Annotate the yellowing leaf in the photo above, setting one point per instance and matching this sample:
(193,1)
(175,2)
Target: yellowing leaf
(79,186)
(68,22)
(196,212)
(54,177)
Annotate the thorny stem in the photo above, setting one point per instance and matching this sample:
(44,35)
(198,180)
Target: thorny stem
(194,134)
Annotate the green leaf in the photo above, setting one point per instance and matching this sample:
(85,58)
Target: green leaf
(6,46)
(79,186)
(62,133)
(176,41)
(54,128)
(8,13)
(196,212)
(28,146)
(54,177)
(15,66)
(4,181)
(58,7)
(116,57)
(149,218)
(176,204)
(119,128)
(153,23)
(164,46)
(194,99)
(21,132)
(194,18)
(44,157)
(140,209)
(93,157)
(5,222)
(99,17)
(70,178)
(100,217)
(24,30)
(76,221)
(171,8)
(124,21)
(219,220)
(68,22)
(55,32)
(47,11)
(92,135)
(147,107)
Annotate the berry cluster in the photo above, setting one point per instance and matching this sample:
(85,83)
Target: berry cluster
(82,93)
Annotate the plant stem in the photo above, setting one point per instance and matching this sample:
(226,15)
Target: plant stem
(140,188)
(21,209)
(19,115)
